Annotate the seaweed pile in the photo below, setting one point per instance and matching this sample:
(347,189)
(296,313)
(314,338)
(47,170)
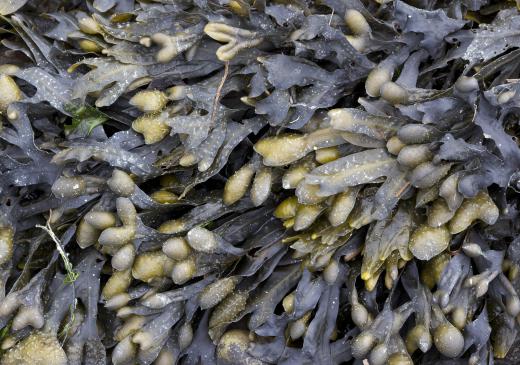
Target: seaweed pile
(254,182)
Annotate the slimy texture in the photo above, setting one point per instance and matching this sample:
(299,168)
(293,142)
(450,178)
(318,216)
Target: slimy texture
(259,182)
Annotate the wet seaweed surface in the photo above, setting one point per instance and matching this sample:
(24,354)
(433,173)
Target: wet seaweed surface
(259,182)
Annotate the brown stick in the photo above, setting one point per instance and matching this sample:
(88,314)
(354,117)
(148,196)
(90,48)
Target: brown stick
(402,190)
(218,94)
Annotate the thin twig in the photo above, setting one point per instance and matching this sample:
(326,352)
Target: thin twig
(213,115)
(218,94)
(71,276)
(403,189)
